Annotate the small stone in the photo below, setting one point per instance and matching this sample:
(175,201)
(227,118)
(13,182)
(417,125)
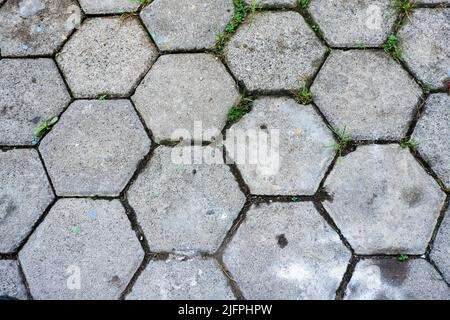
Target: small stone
(441,247)
(274,51)
(389,279)
(11,283)
(383,201)
(109,6)
(193,279)
(431,135)
(25,193)
(309,263)
(96,264)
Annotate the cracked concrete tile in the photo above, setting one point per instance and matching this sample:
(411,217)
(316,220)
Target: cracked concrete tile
(25,193)
(272,3)
(176,279)
(424,41)
(354,23)
(95,148)
(297,142)
(366,93)
(389,279)
(96,62)
(11,284)
(186,207)
(75,255)
(431,135)
(109,6)
(383,201)
(294,254)
(36,27)
(441,247)
(188,24)
(31,92)
(200,90)
(274,51)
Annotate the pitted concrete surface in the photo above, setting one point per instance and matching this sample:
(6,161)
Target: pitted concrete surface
(232,149)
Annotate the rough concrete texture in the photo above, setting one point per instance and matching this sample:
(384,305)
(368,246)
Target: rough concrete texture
(200,90)
(31,92)
(272,3)
(389,279)
(431,135)
(297,143)
(441,247)
(109,6)
(366,93)
(96,62)
(90,251)
(294,254)
(25,193)
(383,201)
(274,51)
(186,207)
(179,279)
(80,165)
(36,27)
(11,284)
(354,23)
(424,42)
(187,25)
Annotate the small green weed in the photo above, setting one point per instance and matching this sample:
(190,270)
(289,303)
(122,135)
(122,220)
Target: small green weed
(45,127)
(238,111)
(409,144)
(303,96)
(403,258)
(391,46)
(343,140)
(404,6)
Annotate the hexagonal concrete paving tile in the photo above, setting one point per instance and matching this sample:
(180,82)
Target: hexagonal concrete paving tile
(109,6)
(273,3)
(95,148)
(200,90)
(31,92)
(441,247)
(36,27)
(383,201)
(354,23)
(11,283)
(25,193)
(191,279)
(186,207)
(84,249)
(187,25)
(366,93)
(424,42)
(277,51)
(389,279)
(297,143)
(431,135)
(96,62)
(294,254)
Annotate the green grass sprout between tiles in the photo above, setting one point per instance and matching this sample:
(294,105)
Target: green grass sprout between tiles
(391,47)
(303,96)
(241,109)
(303,3)
(409,144)
(45,127)
(404,6)
(344,141)
(403,258)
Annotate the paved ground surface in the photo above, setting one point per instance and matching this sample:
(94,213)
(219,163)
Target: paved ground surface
(95,202)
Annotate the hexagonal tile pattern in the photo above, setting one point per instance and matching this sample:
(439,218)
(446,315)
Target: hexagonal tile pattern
(84,249)
(108,6)
(366,93)
(294,254)
(277,51)
(36,27)
(31,92)
(354,23)
(383,201)
(431,135)
(25,193)
(96,62)
(187,25)
(273,3)
(95,148)
(186,207)
(11,284)
(192,279)
(200,90)
(389,279)
(297,143)
(441,247)
(424,42)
